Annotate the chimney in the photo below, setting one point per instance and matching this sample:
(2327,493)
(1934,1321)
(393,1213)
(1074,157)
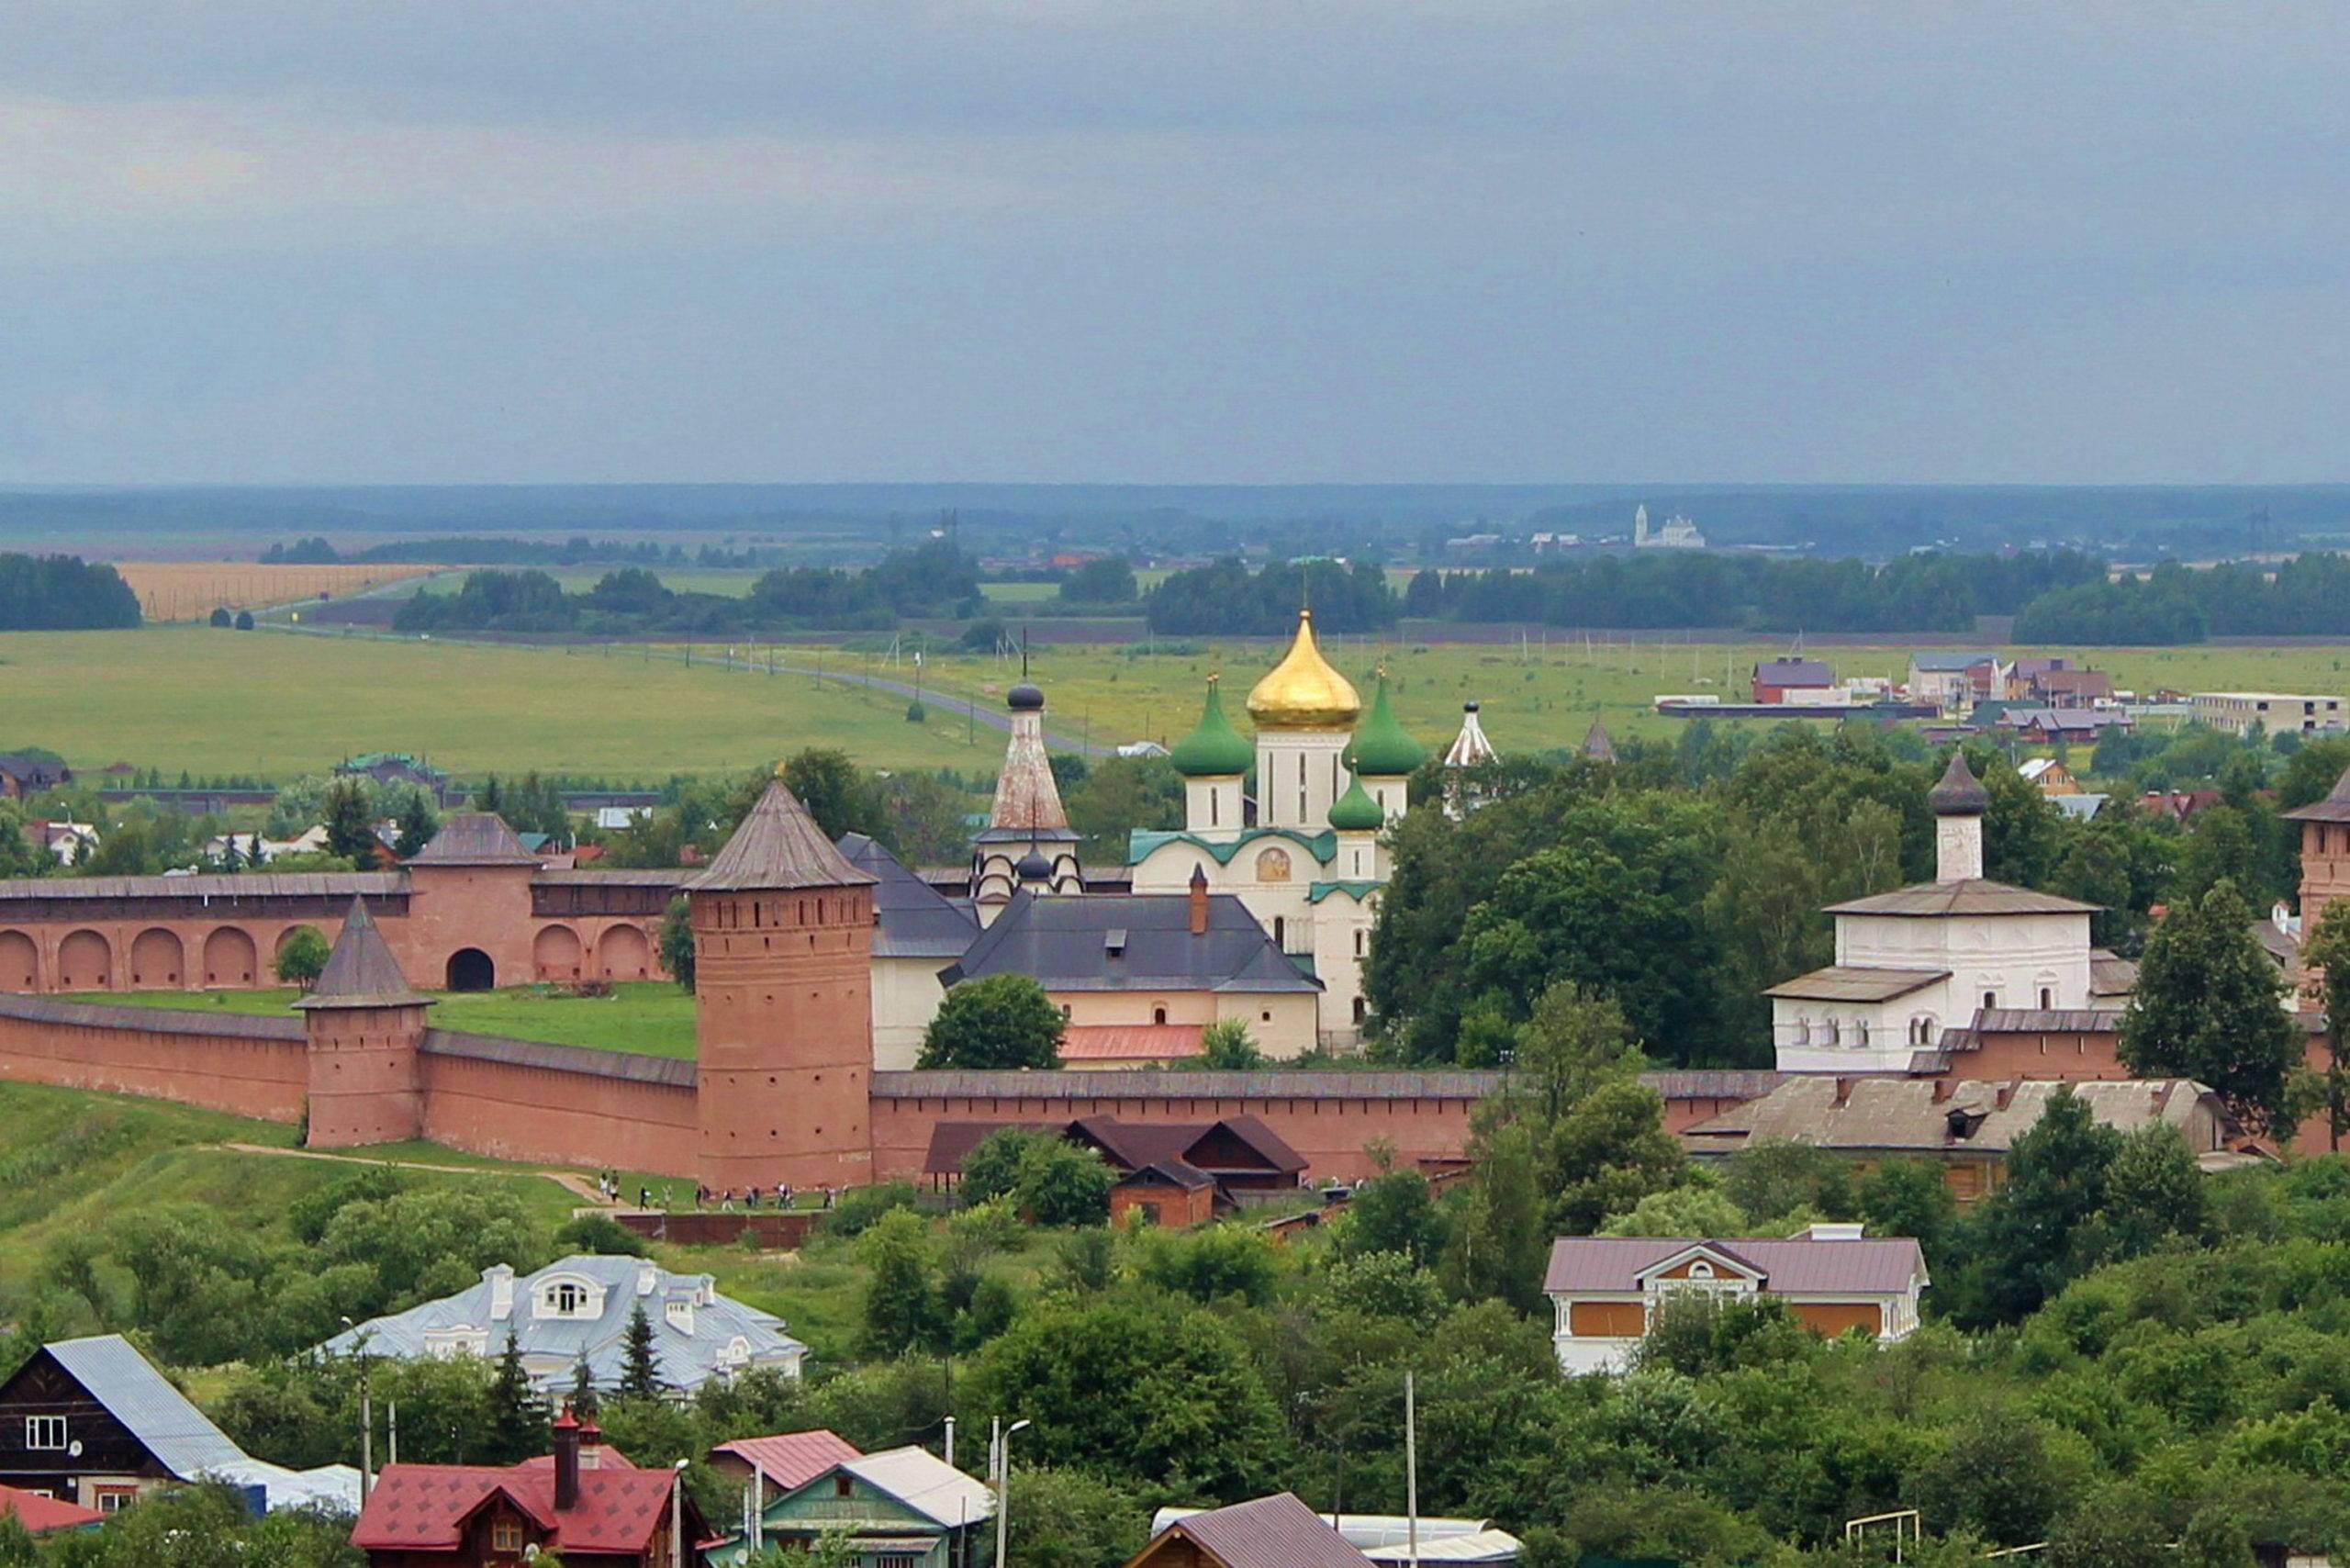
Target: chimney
(567,1460)
(1941,1090)
(591,1444)
(1843,1093)
(1838,1230)
(2007,1094)
(1199,901)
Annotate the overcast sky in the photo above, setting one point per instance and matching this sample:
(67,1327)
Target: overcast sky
(1202,241)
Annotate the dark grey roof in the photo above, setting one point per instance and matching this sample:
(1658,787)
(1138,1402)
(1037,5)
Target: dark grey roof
(913,918)
(630,1065)
(1795,672)
(474,839)
(260,885)
(2334,808)
(1067,944)
(1840,982)
(1960,794)
(115,1374)
(597,877)
(361,971)
(1972,895)
(213,1021)
(779,845)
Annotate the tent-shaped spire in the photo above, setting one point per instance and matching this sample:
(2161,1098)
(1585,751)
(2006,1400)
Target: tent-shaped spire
(1597,743)
(474,839)
(361,971)
(779,845)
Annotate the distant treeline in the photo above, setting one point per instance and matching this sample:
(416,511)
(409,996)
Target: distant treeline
(577,550)
(62,593)
(2308,596)
(935,579)
(1226,598)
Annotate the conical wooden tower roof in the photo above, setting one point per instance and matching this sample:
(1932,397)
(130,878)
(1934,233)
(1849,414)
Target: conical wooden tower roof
(361,971)
(779,845)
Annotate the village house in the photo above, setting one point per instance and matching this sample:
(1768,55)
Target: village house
(1399,1538)
(1606,1291)
(1793,678)
(584,1503)
(43,1514)
(1181,1172)
(2049,776)
(904,1507)
(21,777)
(92,1422)
(580,1308)
(1278,1531)
(2066,726)
(1966,1126)
(1955,681)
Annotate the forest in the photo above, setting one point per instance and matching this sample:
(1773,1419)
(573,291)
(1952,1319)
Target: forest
(62,593)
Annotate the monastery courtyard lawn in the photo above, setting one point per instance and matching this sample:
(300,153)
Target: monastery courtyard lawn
(651,1018)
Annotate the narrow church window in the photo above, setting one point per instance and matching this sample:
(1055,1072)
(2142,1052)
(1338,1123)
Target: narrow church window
(1358,942)
(2047,999)
(1990,999)
(1158,1015)
(1213,796)
(1280,933)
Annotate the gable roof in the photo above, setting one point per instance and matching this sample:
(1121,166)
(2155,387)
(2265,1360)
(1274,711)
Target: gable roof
(791,1459)
(1795,670)
(1931,1114)
(1947,661)
(40,1515)
(779,845)
(425,1506)
(474,839)
(1972,895)
(1129,942)
(1844,982)
(112,1372)
(911,919)
(1278,1531)
(361,971)
(1131,1145)
(1789,1265)
(925,1484)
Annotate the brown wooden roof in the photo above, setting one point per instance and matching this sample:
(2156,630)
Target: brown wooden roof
(2334,808)
(474,839)
(779,846)
(1271,1532)
(361,971)
(1972,895)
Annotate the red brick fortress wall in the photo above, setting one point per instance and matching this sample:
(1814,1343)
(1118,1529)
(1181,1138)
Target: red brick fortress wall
(524,1101)
(253,1066)
(1328,1118)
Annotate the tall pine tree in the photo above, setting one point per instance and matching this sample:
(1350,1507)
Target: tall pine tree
(640,1369)
(2209,1006)
(518,1424)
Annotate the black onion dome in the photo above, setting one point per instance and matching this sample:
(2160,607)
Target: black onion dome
(1960,794)
(1025,697)
(1034,867)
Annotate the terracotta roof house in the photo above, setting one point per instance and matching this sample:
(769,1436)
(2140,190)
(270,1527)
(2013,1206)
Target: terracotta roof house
(594,1514)
(783,1463)
(1278,1531)
(1605,1290)
(43,1515)
(1238,1153)
(581,1306)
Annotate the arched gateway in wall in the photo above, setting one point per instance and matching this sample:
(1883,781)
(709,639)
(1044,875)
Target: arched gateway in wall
(470,969)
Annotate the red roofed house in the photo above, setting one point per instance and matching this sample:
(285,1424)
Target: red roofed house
(1278,1531)
(597,1514)
(41,1514)
(782,1463)
(1607,1289)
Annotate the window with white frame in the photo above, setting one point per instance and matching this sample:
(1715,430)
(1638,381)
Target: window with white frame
(114,1499)
(45,1432)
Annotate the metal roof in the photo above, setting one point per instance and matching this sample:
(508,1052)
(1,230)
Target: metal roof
(1795,672)
(361,971)
(779,845)
(1928,1115)
(1947,662)
(115,1374)
(911,919)
(1843,982)
(2334,808)
(1385,1538)
(474,839)
(1972,895)
(926,1484)
(1131,1042)
(1058,941)
(791,1459)
(1278,1531)
(1796,1265)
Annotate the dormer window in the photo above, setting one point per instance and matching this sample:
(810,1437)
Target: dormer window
(566,1300)
(506,1535)
(567,1296)
(680,1314)
(1701,1270)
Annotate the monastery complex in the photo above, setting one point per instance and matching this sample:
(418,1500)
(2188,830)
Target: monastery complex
(818,964)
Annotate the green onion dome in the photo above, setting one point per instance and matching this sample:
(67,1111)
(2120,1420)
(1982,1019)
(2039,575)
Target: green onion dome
(1356,812)
(1215,749)
(1383,748)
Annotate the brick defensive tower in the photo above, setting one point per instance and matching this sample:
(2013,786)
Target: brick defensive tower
(783,1005)
(364,1026)
(2325,853)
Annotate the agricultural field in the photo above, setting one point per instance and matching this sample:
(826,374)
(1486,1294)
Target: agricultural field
(281,704)
(651,1018)
(190,590)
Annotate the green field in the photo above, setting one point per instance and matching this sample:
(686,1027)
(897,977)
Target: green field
(652,1017)
(284,705)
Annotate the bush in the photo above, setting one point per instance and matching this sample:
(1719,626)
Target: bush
(861,1208)
(599,1233)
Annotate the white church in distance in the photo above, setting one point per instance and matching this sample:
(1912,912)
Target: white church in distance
(1916,961)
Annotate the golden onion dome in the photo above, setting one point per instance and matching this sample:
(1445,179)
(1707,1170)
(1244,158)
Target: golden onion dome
(1303,692)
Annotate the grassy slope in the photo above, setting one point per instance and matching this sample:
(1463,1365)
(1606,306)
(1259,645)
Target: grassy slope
(649,1016)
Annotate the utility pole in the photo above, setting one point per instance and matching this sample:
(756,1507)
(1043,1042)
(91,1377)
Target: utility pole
(1412,1470)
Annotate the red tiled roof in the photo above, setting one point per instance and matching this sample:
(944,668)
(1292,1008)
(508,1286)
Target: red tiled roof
(41,1515)
(1278,1531)
(1796,1266)
(1130,1042)
(423,1507)
(791,1459)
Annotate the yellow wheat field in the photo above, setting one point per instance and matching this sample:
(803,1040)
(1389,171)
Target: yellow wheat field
(190,591)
